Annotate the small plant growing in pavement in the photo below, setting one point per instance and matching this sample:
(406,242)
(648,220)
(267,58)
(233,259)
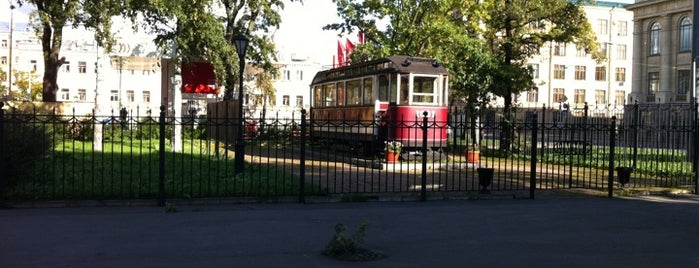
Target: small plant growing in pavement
(349,248)
(170,208)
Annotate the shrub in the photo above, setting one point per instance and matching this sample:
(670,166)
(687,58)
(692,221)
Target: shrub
(24,146)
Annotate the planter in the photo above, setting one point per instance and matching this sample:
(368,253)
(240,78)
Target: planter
(624,175)
(485,178)
(473,156)
(392,157)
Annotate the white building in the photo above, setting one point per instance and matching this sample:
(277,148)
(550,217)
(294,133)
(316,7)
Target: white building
(565,74)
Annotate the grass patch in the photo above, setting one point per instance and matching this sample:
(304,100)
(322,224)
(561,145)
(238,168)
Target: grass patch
(129,169)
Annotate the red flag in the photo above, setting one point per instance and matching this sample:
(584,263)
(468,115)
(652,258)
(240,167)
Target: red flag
(340,54)
(360,37)
(348,48)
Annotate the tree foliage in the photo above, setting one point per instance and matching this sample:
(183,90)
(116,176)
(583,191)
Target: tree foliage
(206,29)
(27,82)
(52,16)
(484,45)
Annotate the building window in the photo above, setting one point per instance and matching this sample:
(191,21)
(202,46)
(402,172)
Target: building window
(33,64)
(82,67)
(4,43)
(3,60)
(299,75)
(82,94)
(579,96)
(533,95)
(114,95)
(146,96)
(130,96)
(653,82)
(534,70)
(621,74)
(66,66)
(299,101)
(580,72)
(654,39)
(559,71)
(622,28)
(559,95)
(285,100)
(621,52)
(600,73)
(685,35)
(683,81)
(580,52)
(287,75)
(603,48)
(559,49)
(600,96)
(620,98)
(602,27)
(65,94)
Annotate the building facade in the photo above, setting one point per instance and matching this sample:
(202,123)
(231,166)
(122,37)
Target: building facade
(565,74)
(663,51)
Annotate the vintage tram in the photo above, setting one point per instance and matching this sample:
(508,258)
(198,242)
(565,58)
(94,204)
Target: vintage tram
(371,102)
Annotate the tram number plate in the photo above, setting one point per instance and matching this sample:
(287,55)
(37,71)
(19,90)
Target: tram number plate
(431,114)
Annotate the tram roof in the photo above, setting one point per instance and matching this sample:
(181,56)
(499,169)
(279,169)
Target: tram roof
(392,64)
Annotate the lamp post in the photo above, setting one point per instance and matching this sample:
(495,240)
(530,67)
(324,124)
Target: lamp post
(9,72)
(241,45)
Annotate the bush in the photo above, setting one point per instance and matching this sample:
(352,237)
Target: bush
(24,146)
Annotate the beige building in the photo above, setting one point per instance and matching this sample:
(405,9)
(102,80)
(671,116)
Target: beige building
(565,74)
(662,71)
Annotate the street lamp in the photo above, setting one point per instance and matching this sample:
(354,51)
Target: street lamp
(9,72)
(241,45)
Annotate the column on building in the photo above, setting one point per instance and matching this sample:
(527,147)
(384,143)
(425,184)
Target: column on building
(664,93)
(638,63)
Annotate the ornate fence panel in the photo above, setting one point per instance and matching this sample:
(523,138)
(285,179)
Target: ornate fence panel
(140,156)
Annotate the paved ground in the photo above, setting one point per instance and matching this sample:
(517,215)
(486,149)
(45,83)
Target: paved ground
(546,232)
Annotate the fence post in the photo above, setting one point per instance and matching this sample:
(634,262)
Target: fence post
(695,146)
(612,140)
(423,188)
(636,124)
(535,145)
(586,108)
(161,167)
(302,168)
(2,150)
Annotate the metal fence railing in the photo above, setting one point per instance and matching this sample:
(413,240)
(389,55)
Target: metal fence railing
(47,156)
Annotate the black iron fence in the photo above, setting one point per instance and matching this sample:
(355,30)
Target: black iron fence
(134,156)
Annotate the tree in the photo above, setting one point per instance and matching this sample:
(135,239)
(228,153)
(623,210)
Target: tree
(52,16)
(205,30)
(27,82)
(3,82)
(516,30)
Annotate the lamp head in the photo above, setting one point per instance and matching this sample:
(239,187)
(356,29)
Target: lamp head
(241,44)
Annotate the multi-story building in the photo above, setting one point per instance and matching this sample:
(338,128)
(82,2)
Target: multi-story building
(131,77)
(128,77)
(564,73)
(662,51)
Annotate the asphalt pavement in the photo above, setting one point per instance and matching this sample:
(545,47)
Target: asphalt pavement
(650,231)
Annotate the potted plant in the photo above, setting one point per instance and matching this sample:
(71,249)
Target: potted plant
(473,154)
(393,149)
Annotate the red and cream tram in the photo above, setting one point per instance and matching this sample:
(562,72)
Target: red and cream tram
(347,102)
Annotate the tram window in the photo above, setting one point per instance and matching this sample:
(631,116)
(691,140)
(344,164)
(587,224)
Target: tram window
(404,89)
(354,92)
(317,96)
(393,93)
(424,89)
(328,95)
(340,94)
(368,91)
(383,88)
